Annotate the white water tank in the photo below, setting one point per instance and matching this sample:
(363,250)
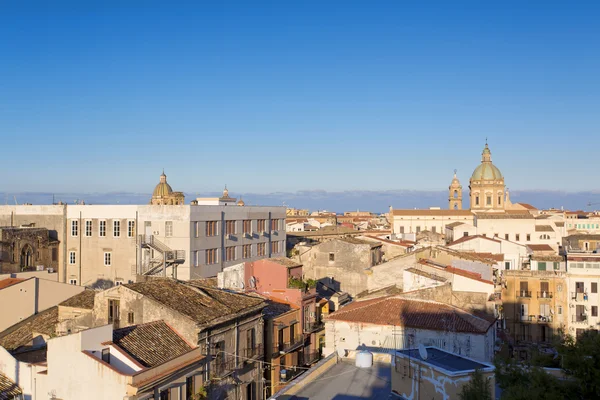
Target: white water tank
(364,359)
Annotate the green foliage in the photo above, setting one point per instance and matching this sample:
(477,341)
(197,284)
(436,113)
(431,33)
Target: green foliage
(581,361)
(300,284)
(478,388)
(201,394)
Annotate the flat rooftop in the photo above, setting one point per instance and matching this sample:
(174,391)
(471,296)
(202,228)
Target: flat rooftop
(345,381)
(442,359)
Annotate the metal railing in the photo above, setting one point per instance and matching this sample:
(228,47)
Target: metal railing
(222,366)
(286,347)
(544,319)
(579,296)
(251,353)
(544,295)
(310,357)
(523,293)
(314,326)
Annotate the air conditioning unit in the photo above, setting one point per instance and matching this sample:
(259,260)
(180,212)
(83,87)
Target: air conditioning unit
(265,233)
(248,235)
(230,236)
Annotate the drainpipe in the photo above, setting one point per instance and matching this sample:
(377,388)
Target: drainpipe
(80,234)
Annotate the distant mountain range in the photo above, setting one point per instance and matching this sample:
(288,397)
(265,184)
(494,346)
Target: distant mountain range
(375,201)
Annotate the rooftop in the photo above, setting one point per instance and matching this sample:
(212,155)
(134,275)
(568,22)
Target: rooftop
(8,389)
(513,214)
(426,274)
(151,344)
(346,381)
(442,359)
(201,303)
(287,262)
(4,283)
(83,300)
(454,213)
(472,237)
(353,240)
(543,228)
(454,224)
(540,247)
(21,334)
(420,314)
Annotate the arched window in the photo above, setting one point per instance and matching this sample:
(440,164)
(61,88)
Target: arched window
(456,194)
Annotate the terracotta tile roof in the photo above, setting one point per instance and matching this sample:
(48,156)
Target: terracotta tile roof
(457,271)
(527,206)
(4,283)
(543,228)
(454,224)
(83,300)
(8,389)
(151,344)
(21,334)
(559,224)
(195,300)
(540,247)
(420,314)
(472,237)
(490,256)
(434,213)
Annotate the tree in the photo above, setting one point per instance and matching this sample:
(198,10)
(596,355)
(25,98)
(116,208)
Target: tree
(478,388)
(581,361)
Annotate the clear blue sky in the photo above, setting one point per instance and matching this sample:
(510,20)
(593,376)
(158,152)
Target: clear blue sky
(283,96)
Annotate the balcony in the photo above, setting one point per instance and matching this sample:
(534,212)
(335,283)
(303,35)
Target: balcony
(527,318)
(544,319)
(544,295)
(523,293)
(254,353)
(581,318)
(310,357)
(314,326)
(223,366)
(286,347)
(579,296)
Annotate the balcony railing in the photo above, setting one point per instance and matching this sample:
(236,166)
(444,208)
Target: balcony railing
(581,318)
(310,357)
(314,326)
(579,296)
(286,347)
(544,319)
(527,318)
(523,293)
(544,295)
(256,352)
(222,366)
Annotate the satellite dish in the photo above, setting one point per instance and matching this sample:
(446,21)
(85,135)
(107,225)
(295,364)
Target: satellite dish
(423,352)
(252,282)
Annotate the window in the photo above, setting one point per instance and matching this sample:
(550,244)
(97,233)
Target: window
(545,310)
(594,311)
(594,287)
(116,228)
(114,310)
(247,250)
(230,253)
(418,229)
(476,200)
(73,281)
(465,234)
(556,265)
(88,228)
(507,265)
(130,228)
(106,355)
(260,225)
(71,257)
(528,237)
(74,228)
(541,266)
(251,339)
(517,237)
(247,226)
(433,228)
(559,310)
(168,228)
(499,199)
(544,287)
(274,224)
(211,256)
(331,257)
(488,200)
(260,249)
(230,227)
(118,283)
(506,236)
(130,317)
(102,229)
(274,247)
(54,254)
(402,229)
(189,388)
(107,259)
(165,394)
(196,229)
(211,228)
(196,258)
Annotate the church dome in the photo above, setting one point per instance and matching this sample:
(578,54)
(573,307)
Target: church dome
(163,188)
(486,170)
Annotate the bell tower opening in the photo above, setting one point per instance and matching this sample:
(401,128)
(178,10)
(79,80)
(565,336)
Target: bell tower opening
(455,194)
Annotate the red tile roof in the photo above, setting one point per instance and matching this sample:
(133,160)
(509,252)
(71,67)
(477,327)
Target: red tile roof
(472,237)
(527,206)
(4,283)
(412,313)
(457,271)
(540,247)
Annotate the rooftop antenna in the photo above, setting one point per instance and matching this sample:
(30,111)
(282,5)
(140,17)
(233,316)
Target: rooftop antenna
(15,197)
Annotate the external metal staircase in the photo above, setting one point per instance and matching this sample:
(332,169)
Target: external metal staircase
(149,264)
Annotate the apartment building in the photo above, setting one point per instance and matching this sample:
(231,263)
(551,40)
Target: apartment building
(105,245)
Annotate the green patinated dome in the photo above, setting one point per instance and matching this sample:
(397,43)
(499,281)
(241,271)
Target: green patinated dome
(486,170)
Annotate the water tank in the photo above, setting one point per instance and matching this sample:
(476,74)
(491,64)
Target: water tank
(364,359)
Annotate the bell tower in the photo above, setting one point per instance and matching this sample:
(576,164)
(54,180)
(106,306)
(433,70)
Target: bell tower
(455,194)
